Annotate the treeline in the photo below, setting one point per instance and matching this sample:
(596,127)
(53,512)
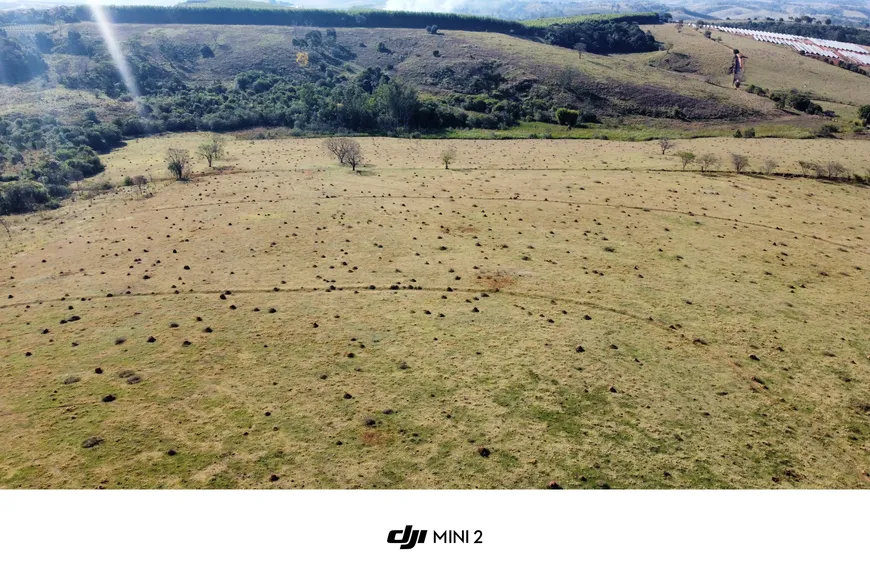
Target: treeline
(370,103)
(302,17)
(843,34)
(635,17)
(601,37)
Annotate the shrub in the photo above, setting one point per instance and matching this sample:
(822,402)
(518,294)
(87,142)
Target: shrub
(708,162)
(178,163)
(686,158)
(749,133)
(739,162)
(567,117)
(23,197)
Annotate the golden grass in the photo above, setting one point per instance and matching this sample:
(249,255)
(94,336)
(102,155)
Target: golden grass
(682,277)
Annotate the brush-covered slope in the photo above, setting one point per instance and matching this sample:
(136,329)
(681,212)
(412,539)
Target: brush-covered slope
(452,62)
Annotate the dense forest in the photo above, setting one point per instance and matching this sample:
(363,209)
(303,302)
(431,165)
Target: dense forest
(18,63)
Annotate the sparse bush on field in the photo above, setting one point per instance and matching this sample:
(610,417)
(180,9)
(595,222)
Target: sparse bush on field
(347,151)
(834,169)
(806,166)
(739,162)
(139,182)
(769,166)
(128,181)
(749,133)
(178,163)
(708,162)
(447,156)
(830,169)
(665,144)
(686,158)
(827,131)
(864,114)
(738,133)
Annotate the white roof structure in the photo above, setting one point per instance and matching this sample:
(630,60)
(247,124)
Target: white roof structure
(807,45)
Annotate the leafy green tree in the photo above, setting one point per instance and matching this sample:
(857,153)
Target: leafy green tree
(567,117)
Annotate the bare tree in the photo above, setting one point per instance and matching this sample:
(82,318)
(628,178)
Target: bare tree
(354,156)
(769,166)
(806,167)
(448,155)
(686,158)
(665,144)
(6,226)
(708,162)
(212,149)
(739,162)
(178,163)
(347,151)
(834,169)
(139,182)
(580,48)
(679,26)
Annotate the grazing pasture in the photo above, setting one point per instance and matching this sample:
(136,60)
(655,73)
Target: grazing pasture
(581,312)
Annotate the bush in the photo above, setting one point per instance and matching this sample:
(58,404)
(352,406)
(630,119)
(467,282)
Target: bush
(567,117)
(749,133)
(23,197)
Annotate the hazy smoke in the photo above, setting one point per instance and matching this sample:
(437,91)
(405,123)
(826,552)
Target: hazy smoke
(424,5)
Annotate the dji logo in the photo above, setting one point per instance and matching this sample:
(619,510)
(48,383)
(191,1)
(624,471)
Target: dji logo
(410,537)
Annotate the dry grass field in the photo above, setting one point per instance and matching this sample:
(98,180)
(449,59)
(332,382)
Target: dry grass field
(573,311)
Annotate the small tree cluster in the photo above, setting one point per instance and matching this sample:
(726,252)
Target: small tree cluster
(347,151)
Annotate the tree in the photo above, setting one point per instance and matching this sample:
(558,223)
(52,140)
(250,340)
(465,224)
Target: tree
(668,47)
(567,117)
(447,156)
(679,26)
(708,162)
(686,158)
(139,182)
(6,226)
(769,166)
(806,167)
(212,149)
(665,144)
(178,163)
(739,162)
(347,151)
(580,48)
(864,114)
(432,29)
